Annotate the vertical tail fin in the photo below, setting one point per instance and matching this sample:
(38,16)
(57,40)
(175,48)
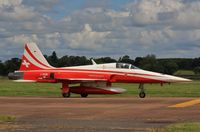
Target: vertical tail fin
(33,59)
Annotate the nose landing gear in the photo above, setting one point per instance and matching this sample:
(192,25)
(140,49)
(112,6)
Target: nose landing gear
(142,93)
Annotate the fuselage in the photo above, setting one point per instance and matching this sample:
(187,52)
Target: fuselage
(105,72)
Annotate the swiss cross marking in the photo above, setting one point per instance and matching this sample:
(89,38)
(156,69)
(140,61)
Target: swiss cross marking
(25,63)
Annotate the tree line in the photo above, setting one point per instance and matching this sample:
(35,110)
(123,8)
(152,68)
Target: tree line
(149,62)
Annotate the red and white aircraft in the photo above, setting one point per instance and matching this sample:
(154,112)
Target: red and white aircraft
(93,79)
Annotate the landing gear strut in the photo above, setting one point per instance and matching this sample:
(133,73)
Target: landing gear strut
(142,93)
(65,90)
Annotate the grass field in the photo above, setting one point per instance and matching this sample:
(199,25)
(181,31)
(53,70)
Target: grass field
(10,88)
(184,72)
(6,118)
(180,127)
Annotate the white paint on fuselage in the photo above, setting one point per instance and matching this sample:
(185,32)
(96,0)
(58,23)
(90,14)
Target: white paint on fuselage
(110,68)
(131,72)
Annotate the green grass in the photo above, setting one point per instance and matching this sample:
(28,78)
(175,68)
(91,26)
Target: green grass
(180,127)
(184,72)
(10,88)
(6,118)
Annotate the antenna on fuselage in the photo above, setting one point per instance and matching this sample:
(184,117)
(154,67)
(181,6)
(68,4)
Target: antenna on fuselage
(93,62)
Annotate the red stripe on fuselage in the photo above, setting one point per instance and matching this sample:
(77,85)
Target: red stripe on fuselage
(86,70)
(83,74)
(108,76)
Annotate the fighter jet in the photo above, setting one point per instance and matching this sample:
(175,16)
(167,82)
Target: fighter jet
(92,79)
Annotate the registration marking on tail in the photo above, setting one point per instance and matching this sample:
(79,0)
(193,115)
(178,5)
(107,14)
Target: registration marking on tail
(186,104)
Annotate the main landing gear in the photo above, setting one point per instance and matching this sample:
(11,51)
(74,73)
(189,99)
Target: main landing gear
(142,93)
(66,95)
(65,90)
(84,95)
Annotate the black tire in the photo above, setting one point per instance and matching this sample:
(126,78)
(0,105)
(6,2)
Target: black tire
(142,94)
(66,95)
(84,95)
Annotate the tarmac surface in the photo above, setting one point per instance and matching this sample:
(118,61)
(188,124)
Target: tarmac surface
(43,114)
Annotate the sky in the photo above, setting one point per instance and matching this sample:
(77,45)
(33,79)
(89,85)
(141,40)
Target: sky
(99,28)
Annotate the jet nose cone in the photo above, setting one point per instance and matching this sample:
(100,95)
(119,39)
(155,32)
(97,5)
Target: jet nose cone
(177,79)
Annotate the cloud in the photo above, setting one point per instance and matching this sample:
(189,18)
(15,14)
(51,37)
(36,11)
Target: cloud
(14,11)
(51,40)
(41,5)
(86,39)
(165,28)
(175,13)
(90,15)
(10,2)
(21,39)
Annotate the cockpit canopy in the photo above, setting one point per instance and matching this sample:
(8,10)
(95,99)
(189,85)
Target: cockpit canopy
(126,66)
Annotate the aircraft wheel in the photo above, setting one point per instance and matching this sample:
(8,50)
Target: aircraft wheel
(66,95)
(84,95)
(142,94)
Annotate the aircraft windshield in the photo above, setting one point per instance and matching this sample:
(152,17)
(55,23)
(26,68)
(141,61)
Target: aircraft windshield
(125,66)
